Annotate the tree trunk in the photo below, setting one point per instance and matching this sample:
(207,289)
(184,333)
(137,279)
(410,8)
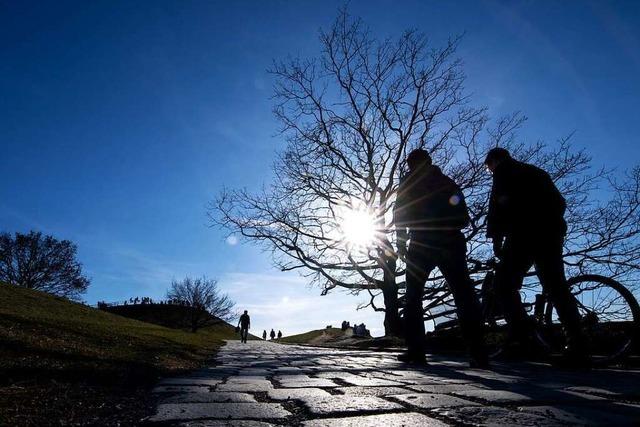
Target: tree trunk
(393,325)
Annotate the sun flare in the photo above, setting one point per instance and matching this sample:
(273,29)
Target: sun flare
(358,227)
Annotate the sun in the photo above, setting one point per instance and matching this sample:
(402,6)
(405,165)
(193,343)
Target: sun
(358,227)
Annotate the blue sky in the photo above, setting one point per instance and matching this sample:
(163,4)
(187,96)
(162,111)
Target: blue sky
(121,120)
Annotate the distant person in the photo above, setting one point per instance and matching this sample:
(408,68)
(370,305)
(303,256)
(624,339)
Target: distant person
(264,335)
(430,211)
(279,335)
(272,334)
(245,324)
(526,224)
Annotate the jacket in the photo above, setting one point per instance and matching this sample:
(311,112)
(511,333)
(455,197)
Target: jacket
(524,201)
(428,201)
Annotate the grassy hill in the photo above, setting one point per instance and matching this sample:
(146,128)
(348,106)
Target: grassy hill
(314,337)
(334,337)
(171,316)
(53,352)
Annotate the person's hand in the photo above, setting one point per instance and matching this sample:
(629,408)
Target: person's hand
(497,247)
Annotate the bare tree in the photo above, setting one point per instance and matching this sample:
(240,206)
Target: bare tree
(207,304)
(350,117)
(41,262)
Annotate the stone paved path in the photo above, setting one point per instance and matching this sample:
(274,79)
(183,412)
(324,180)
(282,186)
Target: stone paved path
(264,384)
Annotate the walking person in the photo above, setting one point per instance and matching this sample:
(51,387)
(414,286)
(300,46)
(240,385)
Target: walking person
(526,224)
(430,212)
(279,335)
(264,335)
(245,324)
(272,334)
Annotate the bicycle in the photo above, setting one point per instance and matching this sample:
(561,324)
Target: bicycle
(609,311)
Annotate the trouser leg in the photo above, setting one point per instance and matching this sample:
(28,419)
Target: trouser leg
(550,269)
(510,273)
(418,270)
(454,269)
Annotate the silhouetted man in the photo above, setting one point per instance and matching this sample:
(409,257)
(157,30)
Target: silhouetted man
(264,335)
(272,334)
(430,210)
(279,335)
(527,226)
(245,324)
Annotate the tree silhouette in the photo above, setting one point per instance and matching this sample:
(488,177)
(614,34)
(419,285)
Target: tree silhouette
(204,299)
(349,118)
(41,262)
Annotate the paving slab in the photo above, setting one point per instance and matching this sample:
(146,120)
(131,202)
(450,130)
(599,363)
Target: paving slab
(362,381)
(373,391)
(296,393)
(297,381)
(430,401)
(339,404)
(226,423)
(193,411)
(618,416)
(245,386)
(443,388)
(523,394)
(492,416)
(387,420)
(251,379)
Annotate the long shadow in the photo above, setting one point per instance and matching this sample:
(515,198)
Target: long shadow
(540,385)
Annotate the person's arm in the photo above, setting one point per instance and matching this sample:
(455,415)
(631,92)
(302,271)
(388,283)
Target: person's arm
(399,219)
(495,220)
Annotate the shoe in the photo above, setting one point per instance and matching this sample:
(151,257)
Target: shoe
(417,359)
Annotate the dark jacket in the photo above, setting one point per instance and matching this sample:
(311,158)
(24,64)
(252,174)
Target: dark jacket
(429,201)
(524,201)
(245,321)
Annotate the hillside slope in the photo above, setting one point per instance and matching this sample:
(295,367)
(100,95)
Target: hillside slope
(53,350)
(334,337)
(316,337)
(170,316)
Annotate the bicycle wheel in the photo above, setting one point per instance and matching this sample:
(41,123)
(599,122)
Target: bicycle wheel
(610,318)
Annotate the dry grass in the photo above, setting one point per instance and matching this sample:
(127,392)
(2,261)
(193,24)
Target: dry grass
(63,363)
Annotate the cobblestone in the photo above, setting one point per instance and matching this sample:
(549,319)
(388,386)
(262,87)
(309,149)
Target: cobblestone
(194,411)
(430,401)
(386,420)
(340,404)
(259,384)
(296,393)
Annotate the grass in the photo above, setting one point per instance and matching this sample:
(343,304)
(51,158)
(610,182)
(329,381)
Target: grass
(66,363)
(312,336)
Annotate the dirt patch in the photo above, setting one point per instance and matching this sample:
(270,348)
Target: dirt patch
(59,403)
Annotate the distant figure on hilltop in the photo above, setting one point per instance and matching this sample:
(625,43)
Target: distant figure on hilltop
(361,330)
(279,335)
(272,334)
(244,323)
(264,335)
